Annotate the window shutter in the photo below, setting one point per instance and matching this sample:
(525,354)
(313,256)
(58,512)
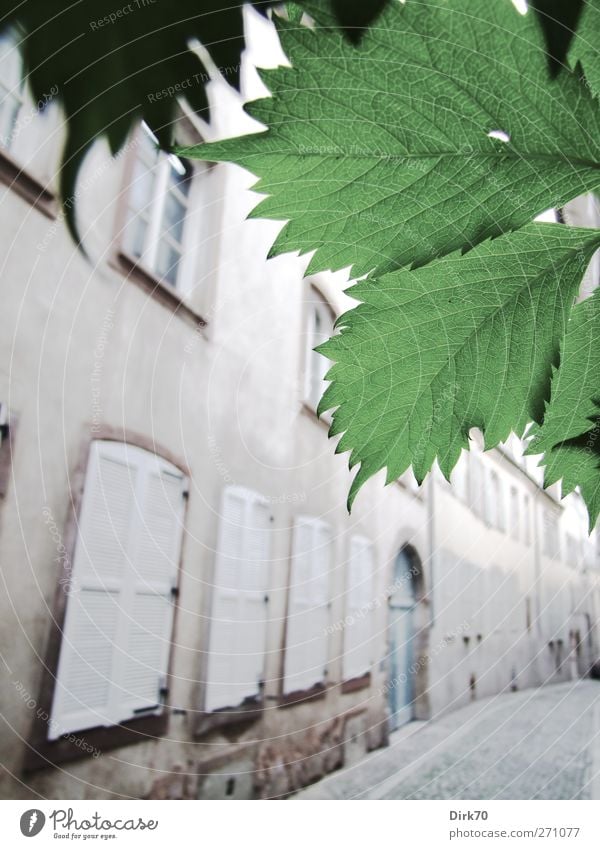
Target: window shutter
(359,601)
(238,623)
(150,598)
(101,648)
(306,637)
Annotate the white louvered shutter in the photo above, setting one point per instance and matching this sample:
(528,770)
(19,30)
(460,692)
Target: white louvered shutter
(148,620)
(359,609)
(238,622)
(306,635)
(100,648)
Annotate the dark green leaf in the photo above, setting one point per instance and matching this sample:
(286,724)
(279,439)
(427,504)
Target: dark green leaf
(114,64)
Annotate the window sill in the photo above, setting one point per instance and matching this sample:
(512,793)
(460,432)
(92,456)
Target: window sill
(297,697)
(354,684)
(249,711)
(43,753)
(165,294)
(27,186)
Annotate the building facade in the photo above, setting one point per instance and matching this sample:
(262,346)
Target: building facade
(188,609)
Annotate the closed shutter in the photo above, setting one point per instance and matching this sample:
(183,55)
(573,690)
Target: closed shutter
(238,623)
(306,636)
(125,559)
(150,608)
(359,605)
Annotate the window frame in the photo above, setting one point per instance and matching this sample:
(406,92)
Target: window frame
(157,164)
(41,752)
(153,215)
(176,298)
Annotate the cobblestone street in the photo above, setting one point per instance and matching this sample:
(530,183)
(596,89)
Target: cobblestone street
(535,744)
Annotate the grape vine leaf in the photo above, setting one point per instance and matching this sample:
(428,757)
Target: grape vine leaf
(380,157)
(570,433)
(576,384)
(576,463)
(115,65)
(585,48)
(465,341)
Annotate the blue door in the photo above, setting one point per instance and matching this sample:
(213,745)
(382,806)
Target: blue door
(401,642)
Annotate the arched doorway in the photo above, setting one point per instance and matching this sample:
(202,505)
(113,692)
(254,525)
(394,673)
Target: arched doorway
(404,653)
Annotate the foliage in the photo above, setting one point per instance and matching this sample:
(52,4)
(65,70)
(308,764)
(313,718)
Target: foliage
(570,433)
(114,65)
(465,341)
(381,159)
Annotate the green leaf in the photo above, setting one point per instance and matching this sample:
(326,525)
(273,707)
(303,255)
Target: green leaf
(115,64)
(576,385)
(466,341)
(380,157)
(570,433)
(576,463)
(586,45)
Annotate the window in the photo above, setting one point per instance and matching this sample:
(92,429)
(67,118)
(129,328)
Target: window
(527,520)
(551,542)
(476,495)
(306,639)
(497,515)
(239,624)
(459,479)
(117,630)
(515,529)
(27,129)
(572,551)
(319,329)
(158,204)
(359,607)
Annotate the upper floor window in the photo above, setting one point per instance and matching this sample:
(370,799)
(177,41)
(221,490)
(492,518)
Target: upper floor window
(497,517)
(477,500)
(514,513)
(27,128)
(319,329)
(551,540)
(158,207)
(527,520)
(572,551)
(459,478)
